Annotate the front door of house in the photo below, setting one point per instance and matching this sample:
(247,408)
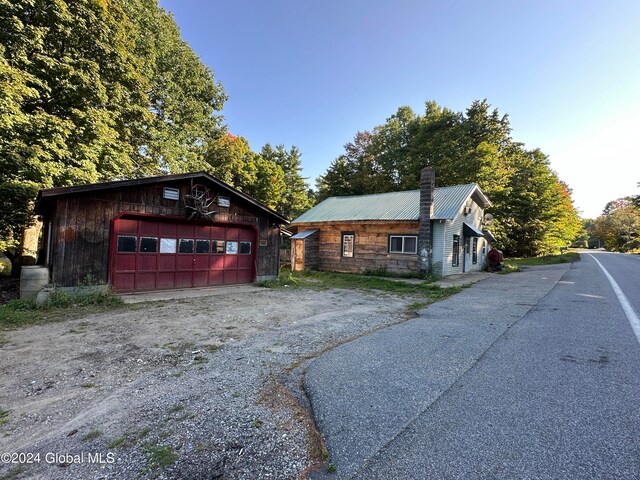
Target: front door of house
(297,255)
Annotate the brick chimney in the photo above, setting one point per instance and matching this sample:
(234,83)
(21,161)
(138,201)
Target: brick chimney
(427,186)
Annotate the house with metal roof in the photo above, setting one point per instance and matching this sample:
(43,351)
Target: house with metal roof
(437,230)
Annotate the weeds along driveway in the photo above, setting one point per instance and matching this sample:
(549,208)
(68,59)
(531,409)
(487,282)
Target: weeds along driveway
(181,389)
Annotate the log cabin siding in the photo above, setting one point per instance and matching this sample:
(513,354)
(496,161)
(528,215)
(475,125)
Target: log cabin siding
(311,251)
(81,228)
(371,247)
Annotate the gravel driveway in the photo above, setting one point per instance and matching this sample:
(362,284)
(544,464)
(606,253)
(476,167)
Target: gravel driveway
(196,388)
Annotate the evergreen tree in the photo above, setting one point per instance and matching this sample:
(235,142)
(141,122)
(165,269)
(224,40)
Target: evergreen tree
(295,199)
(230,159)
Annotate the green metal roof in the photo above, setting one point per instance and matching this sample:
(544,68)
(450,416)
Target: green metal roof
(304,234)
(447,202)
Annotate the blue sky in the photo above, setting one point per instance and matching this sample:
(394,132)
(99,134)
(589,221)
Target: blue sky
(311,74)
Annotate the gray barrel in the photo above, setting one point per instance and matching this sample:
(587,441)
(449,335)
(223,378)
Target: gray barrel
(32,280)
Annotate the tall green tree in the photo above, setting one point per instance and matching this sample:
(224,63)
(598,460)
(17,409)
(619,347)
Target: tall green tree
(86,96)
(295,198)
(356,172)
(619,226)
(532,208)
(94,90)
(72,98)
(230,158)
(183,97)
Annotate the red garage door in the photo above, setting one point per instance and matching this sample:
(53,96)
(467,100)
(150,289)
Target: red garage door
(148,254)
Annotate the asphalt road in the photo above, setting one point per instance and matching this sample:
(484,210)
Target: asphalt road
(528,375)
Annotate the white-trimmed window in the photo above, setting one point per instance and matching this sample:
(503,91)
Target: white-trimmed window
(168,245)
(348,241)
(245,248)
(403,244)
(455,258)
(127,243)
(148,245)
(474,251)
(232,248)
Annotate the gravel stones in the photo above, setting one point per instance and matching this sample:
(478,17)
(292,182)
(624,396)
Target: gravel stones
(194,388)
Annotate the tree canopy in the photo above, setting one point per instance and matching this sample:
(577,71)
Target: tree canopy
(619,225)
(272,176)
(97,90)
(94,90)
(532,207)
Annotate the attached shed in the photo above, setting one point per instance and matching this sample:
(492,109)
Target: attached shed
(305,250)
(171,231)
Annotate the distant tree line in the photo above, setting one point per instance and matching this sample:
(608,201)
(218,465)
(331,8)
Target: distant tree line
(618,227)
(98,90)
(532,207)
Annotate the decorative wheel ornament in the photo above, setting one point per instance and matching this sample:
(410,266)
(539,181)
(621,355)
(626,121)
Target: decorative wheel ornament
(198,203)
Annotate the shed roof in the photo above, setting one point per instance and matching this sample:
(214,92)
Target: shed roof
(304,234)
(405,205)
(48,194)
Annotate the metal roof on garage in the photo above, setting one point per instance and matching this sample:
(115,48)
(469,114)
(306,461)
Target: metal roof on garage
(391,206)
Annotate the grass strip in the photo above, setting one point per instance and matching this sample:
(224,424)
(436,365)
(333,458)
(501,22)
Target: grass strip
(329,280)
(59,306)
(544,260)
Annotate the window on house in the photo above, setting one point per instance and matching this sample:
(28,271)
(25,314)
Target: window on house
(403,244)
(474,253)
(126,244)
(348,240)
(456,251)
(185,246)
(148,245)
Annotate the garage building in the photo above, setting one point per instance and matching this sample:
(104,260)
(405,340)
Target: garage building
(155,233)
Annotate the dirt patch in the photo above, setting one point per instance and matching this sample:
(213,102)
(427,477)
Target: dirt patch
(176,389)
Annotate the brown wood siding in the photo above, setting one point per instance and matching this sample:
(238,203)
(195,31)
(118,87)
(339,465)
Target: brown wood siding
(81,229)
(371,249)
(268,261)
(312,251)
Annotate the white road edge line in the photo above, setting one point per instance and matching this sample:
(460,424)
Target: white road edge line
(624,303)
